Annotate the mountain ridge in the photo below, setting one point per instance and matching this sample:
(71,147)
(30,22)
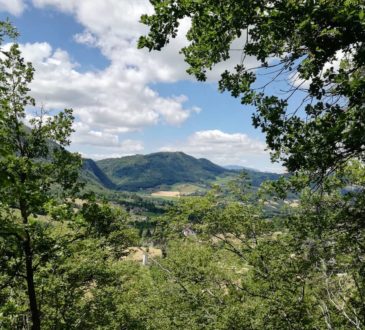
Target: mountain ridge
(160,168)
(139,172)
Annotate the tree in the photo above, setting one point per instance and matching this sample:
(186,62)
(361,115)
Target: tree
(244,269)
(35,168)
(329,238)
(83,285)
(315,127)
(316,46)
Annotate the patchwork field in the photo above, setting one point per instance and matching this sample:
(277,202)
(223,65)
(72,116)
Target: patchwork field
(166,194)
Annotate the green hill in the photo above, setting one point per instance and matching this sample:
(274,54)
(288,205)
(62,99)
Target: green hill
(93,175)
(140,172)
(258,177)
(163,168)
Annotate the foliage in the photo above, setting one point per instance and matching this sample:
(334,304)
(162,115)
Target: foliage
(51,255)
(79,275)
(31,168)
(226,263)
(110,224)
(308,274)
(316,46)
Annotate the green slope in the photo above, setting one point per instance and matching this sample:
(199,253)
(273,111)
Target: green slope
(257,177)
(94,176)
(164,168)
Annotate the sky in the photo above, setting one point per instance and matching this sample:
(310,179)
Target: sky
(129,101)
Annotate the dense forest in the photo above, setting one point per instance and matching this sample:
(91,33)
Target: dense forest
(289,254)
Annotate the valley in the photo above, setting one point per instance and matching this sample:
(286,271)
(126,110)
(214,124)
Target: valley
(93,239)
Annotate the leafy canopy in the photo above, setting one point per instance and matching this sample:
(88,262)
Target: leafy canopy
(316,46)
(35,169)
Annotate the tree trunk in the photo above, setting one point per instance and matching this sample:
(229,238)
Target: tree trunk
(36,322)
(27,248)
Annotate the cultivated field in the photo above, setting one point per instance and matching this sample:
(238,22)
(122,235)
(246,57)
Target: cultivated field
(166,194)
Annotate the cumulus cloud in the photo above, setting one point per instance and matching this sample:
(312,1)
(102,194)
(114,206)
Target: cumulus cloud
(85,38)
(92,143)
(117,37)
(107,103)
(227,149)
(100,144)
(85,135)
(14,7)
(126,148)
(113,27)
(119,99)
(116,99)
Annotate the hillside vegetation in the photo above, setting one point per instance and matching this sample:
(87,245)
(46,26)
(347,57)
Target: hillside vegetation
(139,172)
(93,175)
(231,256)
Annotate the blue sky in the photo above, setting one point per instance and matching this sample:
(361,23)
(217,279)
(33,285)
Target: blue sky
(129,101)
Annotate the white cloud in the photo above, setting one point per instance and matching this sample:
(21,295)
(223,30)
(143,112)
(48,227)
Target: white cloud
(84,135)
(64,5)
(119,98)
(100,144)
(334,64)
(117,149)
(113,26)
(227,149)
(116,99)
(85,38)
(14,7)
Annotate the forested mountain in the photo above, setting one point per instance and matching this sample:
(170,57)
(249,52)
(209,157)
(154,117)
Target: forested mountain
(92,174)
(148,171)
(137,172)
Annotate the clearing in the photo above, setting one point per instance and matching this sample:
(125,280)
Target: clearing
(166,194)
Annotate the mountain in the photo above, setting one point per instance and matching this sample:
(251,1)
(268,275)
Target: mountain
(139,172)
(163,168)
(235,167)
(240,168)
(93,175)
(257,177)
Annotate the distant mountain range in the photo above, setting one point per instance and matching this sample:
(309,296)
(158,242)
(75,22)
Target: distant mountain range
(238,168)
(133,173)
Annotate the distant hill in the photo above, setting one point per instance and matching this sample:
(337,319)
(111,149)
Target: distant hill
(140,172)
(93,175)
(238,168)
(257,177)
(163,168)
